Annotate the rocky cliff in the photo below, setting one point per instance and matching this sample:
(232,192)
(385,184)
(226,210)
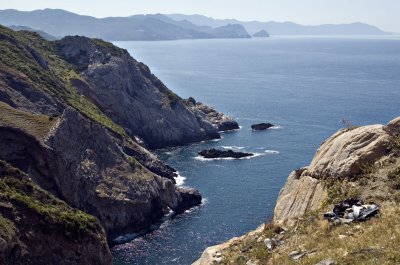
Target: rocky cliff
(33,222)
(356,162)
(76,116)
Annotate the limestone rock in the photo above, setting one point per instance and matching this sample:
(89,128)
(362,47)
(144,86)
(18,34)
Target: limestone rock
(347,151)
(299,195)
(342,156)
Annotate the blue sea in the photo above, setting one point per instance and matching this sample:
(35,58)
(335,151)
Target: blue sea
(303,85)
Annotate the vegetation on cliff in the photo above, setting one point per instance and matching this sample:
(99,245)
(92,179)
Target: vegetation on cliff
(31,216)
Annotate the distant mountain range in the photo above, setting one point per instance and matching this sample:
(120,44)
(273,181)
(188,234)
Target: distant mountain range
(59,23)
(284,28)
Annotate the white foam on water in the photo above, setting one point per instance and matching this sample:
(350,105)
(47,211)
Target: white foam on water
(272,152)
(233,147)
(179,179)
(275,127)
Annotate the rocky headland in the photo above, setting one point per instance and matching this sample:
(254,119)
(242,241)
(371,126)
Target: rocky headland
(77,117)
(356,162)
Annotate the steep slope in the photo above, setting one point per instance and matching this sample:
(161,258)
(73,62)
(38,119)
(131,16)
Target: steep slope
(28,214)
(62,23)
(357,162)
(61,122)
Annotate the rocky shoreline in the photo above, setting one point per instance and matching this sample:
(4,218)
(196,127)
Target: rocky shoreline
(359,162)
(81,115)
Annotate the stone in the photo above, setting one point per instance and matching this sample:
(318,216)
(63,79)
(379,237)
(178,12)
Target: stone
(214,153)
(270,243)
(342,155)
(328,261)
(261,126)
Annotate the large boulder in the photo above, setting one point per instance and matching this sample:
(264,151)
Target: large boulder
(344,155)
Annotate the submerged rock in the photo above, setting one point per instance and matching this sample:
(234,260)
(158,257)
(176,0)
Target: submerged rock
(261,126)
(214,153)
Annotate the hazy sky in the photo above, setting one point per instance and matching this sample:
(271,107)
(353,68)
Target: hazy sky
(382,13)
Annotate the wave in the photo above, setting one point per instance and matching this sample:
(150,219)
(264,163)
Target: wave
(233,147)
(275,127)
(179,179)
(203,202)
(272,152)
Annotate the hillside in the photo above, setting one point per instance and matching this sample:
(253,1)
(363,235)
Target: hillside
(356,162)
(283,28)
(76,117)
(62,23)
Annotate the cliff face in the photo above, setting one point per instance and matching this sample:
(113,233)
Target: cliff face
(72,116)
(358,162)
(32,222)
(127,92)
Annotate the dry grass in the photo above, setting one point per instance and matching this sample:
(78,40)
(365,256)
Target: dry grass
(376,241)
(33,124)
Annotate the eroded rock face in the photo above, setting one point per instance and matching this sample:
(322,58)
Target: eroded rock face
(134,98)
(80,162)
(341,156)
(299,195)
(348,151)
(34,228)
(95,175)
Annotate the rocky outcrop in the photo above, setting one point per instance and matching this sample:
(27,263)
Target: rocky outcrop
(299,195)
(79,161)
(127,92)
(28,213)
(219,120)
(214,153)
(261,126)
(189,198)
(344,155)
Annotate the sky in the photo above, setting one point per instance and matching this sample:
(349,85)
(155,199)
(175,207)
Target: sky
(384,14)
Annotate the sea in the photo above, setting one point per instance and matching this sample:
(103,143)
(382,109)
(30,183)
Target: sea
(308,87)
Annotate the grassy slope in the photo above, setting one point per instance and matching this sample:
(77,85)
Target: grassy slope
(33,124)
(21,195)
(16,59)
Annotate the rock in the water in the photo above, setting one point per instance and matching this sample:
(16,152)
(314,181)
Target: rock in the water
(214,153)
(261,126)
(188,199)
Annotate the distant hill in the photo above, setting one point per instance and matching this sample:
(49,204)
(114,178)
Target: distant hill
(61,23)
(284,28)
(43,34)
(261,34)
